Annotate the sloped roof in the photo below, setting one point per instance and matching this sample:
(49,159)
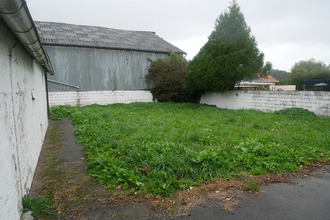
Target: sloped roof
(266,79)
(52,33)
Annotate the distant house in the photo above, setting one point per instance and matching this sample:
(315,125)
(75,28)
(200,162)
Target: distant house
(23,104)
(100,65)
(260,83)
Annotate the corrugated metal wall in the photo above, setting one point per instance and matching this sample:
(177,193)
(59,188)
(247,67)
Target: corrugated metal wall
(95,69)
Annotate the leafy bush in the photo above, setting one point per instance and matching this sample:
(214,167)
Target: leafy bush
(36,205)
(167,77)
(296,112)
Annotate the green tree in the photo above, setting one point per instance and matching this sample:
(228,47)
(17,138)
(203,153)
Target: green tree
(281,75)
(229,56)
(310,69)
(167,77)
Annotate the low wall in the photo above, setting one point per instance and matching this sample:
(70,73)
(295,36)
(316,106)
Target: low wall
(270,101)
(78,98)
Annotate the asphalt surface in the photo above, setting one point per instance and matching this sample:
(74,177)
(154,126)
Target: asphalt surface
(309,198)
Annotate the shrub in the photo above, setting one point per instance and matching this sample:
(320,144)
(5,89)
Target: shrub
(296,112)
(167,77)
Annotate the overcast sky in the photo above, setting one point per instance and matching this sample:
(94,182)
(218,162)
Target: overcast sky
(287,31)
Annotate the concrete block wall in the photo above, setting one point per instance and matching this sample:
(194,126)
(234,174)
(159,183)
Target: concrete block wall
(270,101)
(78,98)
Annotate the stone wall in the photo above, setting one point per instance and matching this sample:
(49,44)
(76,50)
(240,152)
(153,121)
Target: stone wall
(270,101)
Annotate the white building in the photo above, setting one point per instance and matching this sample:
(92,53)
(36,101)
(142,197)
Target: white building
(23,104)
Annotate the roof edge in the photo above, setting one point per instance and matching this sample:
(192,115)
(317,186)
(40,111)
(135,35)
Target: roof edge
(18,19)
(113,48)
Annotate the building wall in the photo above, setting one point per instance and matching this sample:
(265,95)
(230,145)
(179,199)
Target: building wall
(270,101)
(283,87)
(98,97)
(23,122)
(99,69)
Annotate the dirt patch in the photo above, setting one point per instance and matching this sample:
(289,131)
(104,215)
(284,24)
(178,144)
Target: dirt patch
(61,176)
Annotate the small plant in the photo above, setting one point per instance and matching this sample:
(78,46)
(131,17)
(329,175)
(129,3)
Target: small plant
(36,205)
(295,112)
(252,185)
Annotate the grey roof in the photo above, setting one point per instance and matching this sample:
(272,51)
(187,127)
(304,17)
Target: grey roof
(99,37)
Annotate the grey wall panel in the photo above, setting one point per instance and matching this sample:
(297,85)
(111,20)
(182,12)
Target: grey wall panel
(95,69)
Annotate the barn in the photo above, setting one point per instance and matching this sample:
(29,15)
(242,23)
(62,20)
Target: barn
(100,65)
(23,104)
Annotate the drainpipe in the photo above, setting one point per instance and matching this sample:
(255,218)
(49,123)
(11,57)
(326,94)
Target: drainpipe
(47,98)
(18,19)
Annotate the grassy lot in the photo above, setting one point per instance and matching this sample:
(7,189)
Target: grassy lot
(160,148)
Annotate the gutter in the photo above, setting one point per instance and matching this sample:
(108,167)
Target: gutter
(112,48)
(17,17)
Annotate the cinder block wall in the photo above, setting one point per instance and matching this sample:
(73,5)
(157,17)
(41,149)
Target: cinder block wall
(270,101)
(98,97)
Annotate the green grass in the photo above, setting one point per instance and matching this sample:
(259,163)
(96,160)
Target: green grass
(164,147)
(252,185)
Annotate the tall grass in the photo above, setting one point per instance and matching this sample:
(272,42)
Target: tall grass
(164,147)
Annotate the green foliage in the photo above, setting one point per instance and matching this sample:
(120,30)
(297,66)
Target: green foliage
(160,148)
(167,77)
(296,112)
(59,112)
(252,185)
(229,56)
(280,75)
(310,69)
(36,205)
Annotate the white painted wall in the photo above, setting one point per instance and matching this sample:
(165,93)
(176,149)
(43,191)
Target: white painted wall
(270,101)
(23,122)
(98,97)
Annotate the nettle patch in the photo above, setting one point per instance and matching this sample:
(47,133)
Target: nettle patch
(160,148)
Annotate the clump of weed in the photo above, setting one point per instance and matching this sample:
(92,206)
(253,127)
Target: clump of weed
(59,112)
(252,185)
(36,205)
(296,112)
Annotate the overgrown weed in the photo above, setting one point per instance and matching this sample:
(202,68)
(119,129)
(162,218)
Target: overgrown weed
(164,147)
(36,205)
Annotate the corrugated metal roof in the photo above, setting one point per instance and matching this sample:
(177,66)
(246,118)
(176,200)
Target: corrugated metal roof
(99,37)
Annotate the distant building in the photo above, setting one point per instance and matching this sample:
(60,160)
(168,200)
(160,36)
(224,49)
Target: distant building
(283,88)
(317,85)
(96,63)
(260,83)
